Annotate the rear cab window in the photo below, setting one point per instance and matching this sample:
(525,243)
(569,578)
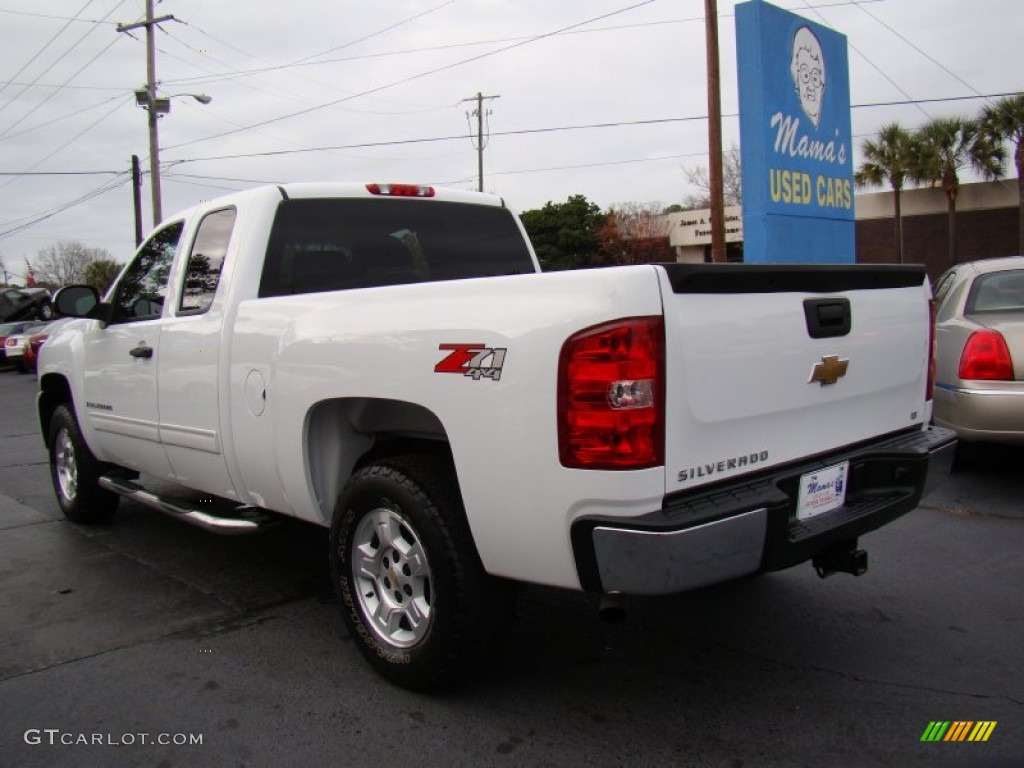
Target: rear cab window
(339,244)
(206,261)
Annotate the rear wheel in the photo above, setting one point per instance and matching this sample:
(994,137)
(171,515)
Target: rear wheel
(414,594)
(75,472)
(46,311)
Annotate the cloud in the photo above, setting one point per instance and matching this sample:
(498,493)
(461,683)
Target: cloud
(641,64)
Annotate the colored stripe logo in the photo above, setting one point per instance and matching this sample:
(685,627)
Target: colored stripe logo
(958,730)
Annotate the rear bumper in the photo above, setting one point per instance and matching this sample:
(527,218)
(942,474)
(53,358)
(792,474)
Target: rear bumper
(739,528)
(988,411)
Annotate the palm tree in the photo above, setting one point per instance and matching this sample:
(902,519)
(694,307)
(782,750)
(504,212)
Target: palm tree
(943,148)
(1004,121)
(887,158)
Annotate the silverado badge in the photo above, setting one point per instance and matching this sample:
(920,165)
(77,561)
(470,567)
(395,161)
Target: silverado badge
(829,370)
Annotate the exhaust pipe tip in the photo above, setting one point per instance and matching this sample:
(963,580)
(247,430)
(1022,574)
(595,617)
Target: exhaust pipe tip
(611,608)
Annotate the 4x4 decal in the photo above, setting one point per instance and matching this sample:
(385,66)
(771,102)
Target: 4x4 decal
(474,360)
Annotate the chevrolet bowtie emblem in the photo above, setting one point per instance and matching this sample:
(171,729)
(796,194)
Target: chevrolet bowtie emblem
(829,370)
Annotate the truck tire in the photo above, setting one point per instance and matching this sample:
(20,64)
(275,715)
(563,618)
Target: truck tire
(413,592)
(75,472)
(46,311)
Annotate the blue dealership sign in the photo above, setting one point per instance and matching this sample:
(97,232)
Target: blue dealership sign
(795,139)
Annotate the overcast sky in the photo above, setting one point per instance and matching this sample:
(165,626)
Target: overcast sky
(374,91)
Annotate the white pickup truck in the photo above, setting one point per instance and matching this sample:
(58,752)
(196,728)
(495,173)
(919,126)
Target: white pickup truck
(386,361)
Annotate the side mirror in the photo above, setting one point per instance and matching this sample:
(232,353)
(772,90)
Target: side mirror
(77,301)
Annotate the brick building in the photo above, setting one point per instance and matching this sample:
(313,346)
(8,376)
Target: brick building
(987,226)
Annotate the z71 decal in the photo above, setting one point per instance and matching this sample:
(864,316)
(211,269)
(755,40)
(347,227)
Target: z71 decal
(474,360)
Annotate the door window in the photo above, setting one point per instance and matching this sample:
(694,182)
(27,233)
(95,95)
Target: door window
(206,261)
(140,294)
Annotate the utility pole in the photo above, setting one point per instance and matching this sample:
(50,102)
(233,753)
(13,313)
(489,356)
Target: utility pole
(479,114)
(137,198)
(715,132)
(155,107)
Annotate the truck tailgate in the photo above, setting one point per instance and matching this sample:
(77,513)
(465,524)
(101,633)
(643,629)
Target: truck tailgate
(771,364)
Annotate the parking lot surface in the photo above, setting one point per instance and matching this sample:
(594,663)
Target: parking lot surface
(148,642)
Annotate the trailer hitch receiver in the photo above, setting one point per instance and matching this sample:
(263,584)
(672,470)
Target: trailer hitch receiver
(843,557)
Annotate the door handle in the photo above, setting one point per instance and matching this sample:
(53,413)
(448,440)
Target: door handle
(142,351)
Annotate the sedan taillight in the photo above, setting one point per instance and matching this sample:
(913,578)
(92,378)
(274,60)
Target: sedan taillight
(986,357)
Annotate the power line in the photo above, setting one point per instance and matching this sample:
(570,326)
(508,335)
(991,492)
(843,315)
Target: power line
(54,92)
(870,63)
(238,74)
(68,87)
(69,115)
(46,45)
(548,129)
(58,173)
(241,74)
(462,137)
(199,79)
(240,80)
(930,58)
(206,185)
(224,178)
(38,218)
(934,101)
(72,140)
(419,76)
(579,166)
(60,18)
(377,33)
(56,62)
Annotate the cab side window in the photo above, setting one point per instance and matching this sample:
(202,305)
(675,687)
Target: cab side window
(141,291)
(206,261)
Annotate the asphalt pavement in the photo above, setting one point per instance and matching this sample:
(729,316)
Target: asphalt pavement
(149,642)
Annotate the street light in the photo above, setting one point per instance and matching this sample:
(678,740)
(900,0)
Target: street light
(148,100)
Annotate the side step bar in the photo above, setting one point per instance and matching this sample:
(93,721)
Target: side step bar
(245,519)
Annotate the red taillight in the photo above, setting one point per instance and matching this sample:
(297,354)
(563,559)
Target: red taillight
(400,190)
(611,402)
(986,356)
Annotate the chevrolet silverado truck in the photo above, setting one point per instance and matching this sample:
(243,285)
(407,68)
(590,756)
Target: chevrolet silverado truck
(387,361)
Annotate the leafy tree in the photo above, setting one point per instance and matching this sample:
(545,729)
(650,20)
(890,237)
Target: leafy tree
(64,263)
(888,159)
(1004,121)
(943,148)
(732,182)
(566,235)
(635,233)
(101,273)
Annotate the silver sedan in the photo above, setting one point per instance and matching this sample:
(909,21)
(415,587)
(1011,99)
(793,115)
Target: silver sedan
(979,382)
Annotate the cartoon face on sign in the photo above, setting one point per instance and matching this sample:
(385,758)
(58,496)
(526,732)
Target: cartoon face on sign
(808,70)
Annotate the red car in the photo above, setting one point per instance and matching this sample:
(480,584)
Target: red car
(7,330)
(30,354)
